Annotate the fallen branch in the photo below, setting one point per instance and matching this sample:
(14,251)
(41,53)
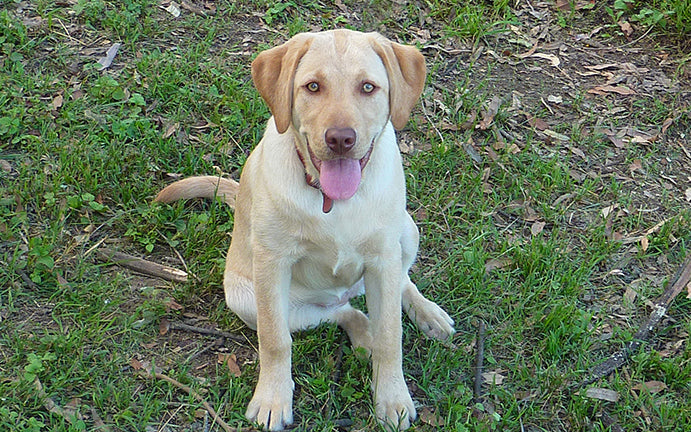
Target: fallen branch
(51,406)
(191,392)
(479,360)
(205,331)
(660,308)
(141,265)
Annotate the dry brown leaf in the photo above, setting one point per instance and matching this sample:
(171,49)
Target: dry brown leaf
(136,364)
(636,166)
(563,5)
(626,28)
(163,326)
(555,135)
(604,89)
(231,362)
(645,243)
(537,228)
(688,290)
(428,416)
(488,116)
(577,152)
(537,123)
(602,394)
(173,305)
(551,57)
(493,378)
(652,387)
(57,102)
(170,130)
(497,264)
(666,124)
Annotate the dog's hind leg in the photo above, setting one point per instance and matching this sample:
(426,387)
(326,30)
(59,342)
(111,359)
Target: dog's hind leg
(356,324)
(240,298)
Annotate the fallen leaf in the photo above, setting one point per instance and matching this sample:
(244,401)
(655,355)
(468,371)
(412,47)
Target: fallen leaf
(555,99)
(488,116)
(106,61)
(537,123)
(555,135)
(687,194)
(636,166)
(645,243)
(630,295)
(231,362)
(136,364)
(57,102)
(604,89)
(551,57)
(602,394)
(577,151)
(652,387)
(626,28)
(497,264)
(428,416)
(688,290)
(493,378)
(173,9)
(173,305)
(537,228)
(163,326)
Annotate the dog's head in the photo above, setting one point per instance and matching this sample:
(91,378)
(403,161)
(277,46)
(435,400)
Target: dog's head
(337,91)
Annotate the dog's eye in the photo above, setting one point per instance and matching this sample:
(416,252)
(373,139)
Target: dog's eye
(368,87)
(313,87)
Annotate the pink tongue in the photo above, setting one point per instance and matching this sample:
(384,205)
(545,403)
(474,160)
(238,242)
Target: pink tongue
(340,178)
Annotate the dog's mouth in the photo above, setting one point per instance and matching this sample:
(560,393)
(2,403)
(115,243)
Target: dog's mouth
(339,178)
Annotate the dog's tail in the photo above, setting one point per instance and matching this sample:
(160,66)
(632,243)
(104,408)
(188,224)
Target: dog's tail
(200,187)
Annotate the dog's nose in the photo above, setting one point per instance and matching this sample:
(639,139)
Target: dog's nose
(340,140)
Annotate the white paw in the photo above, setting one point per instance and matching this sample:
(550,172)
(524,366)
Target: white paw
(394,407)
(431,319)
(272,405)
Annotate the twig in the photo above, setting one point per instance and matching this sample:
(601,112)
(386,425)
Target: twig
(51,406)
(479,360)
(191,392)
(616,360)
(205,331)
(141,265)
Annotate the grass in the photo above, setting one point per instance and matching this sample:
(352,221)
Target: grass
(84,151)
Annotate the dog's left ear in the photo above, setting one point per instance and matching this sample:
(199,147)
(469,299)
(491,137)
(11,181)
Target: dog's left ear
(273,72)
(405,66)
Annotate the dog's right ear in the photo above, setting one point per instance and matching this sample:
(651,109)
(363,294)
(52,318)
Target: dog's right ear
(273,72)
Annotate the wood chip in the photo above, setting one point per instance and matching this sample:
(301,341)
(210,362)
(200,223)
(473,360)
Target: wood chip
(602,394)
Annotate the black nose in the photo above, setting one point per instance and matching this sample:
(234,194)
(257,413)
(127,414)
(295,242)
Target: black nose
(340,140)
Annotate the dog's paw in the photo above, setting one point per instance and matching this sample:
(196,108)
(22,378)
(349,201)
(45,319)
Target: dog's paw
(431,319)
(394,407)
(272,406)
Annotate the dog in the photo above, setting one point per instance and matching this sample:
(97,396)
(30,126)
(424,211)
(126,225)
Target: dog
(320,214)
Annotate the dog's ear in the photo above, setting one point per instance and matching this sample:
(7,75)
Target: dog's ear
(273,72)
(405,66)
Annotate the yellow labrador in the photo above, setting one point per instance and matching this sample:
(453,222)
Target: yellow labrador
(320,213)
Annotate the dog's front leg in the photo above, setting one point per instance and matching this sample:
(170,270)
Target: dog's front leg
(392,402)
(272,403)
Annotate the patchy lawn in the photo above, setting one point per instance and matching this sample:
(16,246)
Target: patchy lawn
(549,171)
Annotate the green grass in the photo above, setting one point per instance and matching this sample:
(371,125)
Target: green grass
(84,152)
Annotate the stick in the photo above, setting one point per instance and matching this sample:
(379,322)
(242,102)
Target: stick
(616,360)
(141,265)
(190,392)
(205,331)
(479,360)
